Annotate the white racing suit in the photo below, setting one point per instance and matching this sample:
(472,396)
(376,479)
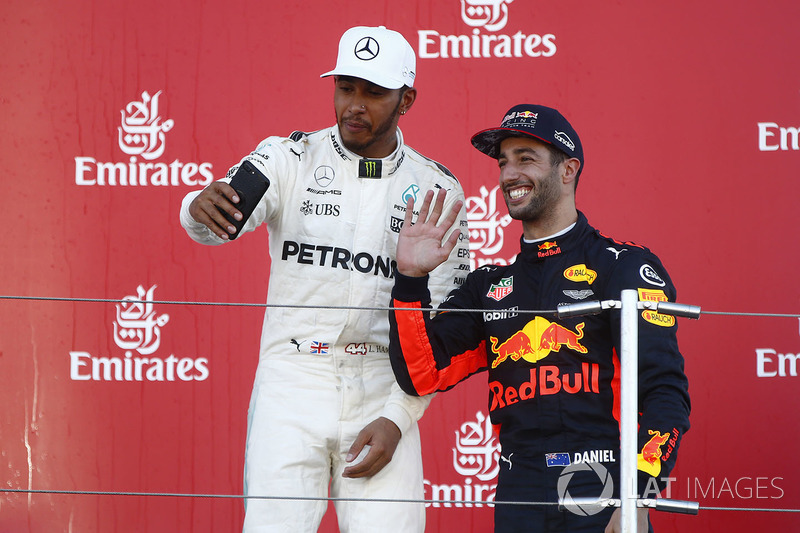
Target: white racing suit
(324,374)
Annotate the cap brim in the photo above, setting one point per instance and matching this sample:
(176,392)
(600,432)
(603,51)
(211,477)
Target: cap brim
(488,141)
(366,74)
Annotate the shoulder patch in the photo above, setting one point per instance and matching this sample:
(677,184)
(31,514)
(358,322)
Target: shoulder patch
(619,243)
(297,135)
(444,169)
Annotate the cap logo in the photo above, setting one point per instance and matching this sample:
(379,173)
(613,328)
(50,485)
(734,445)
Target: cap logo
(520,118)
(564,139)
(367,48)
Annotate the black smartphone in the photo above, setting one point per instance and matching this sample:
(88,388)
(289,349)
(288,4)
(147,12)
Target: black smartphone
(250,184)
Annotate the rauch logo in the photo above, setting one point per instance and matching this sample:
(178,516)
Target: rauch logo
(492,16)
(142,133)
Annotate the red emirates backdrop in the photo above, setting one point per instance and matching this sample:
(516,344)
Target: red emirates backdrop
(110,112)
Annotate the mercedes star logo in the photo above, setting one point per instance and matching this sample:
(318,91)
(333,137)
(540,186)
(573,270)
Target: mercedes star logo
(324,175)
(367,48)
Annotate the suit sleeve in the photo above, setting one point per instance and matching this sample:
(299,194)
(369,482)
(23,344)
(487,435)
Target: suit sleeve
(270,158)
(664,403)
(431,354)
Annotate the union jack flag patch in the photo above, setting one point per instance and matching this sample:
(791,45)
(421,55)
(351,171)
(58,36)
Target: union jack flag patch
(319,348)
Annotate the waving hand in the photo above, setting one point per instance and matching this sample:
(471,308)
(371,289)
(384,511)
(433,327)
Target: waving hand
(419,247)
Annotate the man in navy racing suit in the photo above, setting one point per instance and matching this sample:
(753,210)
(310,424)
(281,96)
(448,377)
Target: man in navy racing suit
(553,383)
(325,412)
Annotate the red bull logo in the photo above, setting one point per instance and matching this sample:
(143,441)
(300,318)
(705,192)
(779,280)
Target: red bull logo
(549,248)
(648,459)
(546,380)
(556,335)
(527,114)
(536,340)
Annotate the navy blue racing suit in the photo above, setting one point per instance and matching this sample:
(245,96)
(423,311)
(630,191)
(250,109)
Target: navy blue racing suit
(553,383)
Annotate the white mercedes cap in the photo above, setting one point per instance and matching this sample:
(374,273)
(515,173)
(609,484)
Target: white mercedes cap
(378,55)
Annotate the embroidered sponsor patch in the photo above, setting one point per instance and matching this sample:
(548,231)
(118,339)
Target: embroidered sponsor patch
(557,459)
(580,273)
(319,348)
(650,275)
(655,295)
(502,289)
(648,460)
(578,295)
(369,168)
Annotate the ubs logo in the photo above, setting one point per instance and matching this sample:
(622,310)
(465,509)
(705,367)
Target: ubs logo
(367,49)
(309,208)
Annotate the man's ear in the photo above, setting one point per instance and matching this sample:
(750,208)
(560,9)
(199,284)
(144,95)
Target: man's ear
(407,100)
(571,167)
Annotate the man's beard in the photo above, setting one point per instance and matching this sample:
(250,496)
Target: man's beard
(377,134)
(544,195)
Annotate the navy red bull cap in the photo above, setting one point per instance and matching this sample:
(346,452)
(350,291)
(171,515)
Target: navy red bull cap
(540,122)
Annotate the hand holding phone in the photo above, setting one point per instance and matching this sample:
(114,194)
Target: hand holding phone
(250,185)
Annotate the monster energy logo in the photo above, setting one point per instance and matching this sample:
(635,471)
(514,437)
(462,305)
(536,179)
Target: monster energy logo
(369,168)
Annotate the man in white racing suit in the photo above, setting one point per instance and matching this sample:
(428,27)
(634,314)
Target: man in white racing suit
(326,412)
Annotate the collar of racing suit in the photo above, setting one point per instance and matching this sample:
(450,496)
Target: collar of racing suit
(389,164)
(543,250)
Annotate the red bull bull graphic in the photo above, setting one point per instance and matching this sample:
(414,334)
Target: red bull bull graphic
(580,273)
(536,340)
(546,380)
(648,459)
(654,295)
(556,335)
(546,245)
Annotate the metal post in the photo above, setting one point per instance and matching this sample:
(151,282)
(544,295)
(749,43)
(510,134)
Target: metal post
(629,384)
(629,404)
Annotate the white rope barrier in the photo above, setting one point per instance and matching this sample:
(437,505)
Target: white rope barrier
(335,307)
(446,503)
(561,311)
